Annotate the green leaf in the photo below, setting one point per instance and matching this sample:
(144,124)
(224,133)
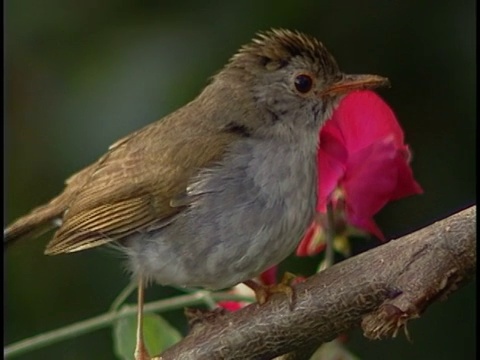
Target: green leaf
(157,332)
(333,350)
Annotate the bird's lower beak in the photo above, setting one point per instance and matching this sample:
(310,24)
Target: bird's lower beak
(355,82)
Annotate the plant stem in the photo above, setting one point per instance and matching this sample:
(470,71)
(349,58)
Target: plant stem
(329,253)
(120,299)
(104,320)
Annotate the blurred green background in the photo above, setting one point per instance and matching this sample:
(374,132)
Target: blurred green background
(81,74)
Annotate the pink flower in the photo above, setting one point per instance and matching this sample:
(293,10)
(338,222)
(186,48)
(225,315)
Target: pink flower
(268,277)
(231,305)
(363,164)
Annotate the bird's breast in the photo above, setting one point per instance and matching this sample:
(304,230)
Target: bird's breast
(247,213)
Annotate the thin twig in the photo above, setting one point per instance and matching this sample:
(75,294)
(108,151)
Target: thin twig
(120,299)
(329,252)
(104,320)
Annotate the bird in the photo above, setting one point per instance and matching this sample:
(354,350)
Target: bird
(217,191)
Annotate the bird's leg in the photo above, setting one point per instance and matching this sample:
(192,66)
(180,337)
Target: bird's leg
(141,352)
(263,292)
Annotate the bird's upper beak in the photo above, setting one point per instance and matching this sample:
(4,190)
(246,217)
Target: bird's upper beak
(355,82)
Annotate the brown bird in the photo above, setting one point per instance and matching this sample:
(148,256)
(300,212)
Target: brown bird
(221,189)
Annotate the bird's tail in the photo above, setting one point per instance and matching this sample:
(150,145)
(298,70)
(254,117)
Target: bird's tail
(36,223)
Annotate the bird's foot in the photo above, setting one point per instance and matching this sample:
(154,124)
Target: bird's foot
(263,292)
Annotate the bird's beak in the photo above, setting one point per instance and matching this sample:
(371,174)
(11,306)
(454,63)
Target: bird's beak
(355,82)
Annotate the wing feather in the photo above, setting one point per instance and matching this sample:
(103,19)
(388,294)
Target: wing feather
(134,185)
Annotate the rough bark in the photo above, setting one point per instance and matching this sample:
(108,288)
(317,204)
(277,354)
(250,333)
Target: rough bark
(380,290)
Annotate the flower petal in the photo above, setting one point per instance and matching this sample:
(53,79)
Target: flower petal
(376,167)
(363,117)
(269,276)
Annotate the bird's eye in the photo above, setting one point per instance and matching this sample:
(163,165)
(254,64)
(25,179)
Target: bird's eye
(303,83)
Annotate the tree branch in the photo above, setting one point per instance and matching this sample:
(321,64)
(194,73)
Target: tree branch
(380,289)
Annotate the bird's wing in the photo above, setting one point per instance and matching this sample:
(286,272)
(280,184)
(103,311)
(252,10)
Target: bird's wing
(134,185)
